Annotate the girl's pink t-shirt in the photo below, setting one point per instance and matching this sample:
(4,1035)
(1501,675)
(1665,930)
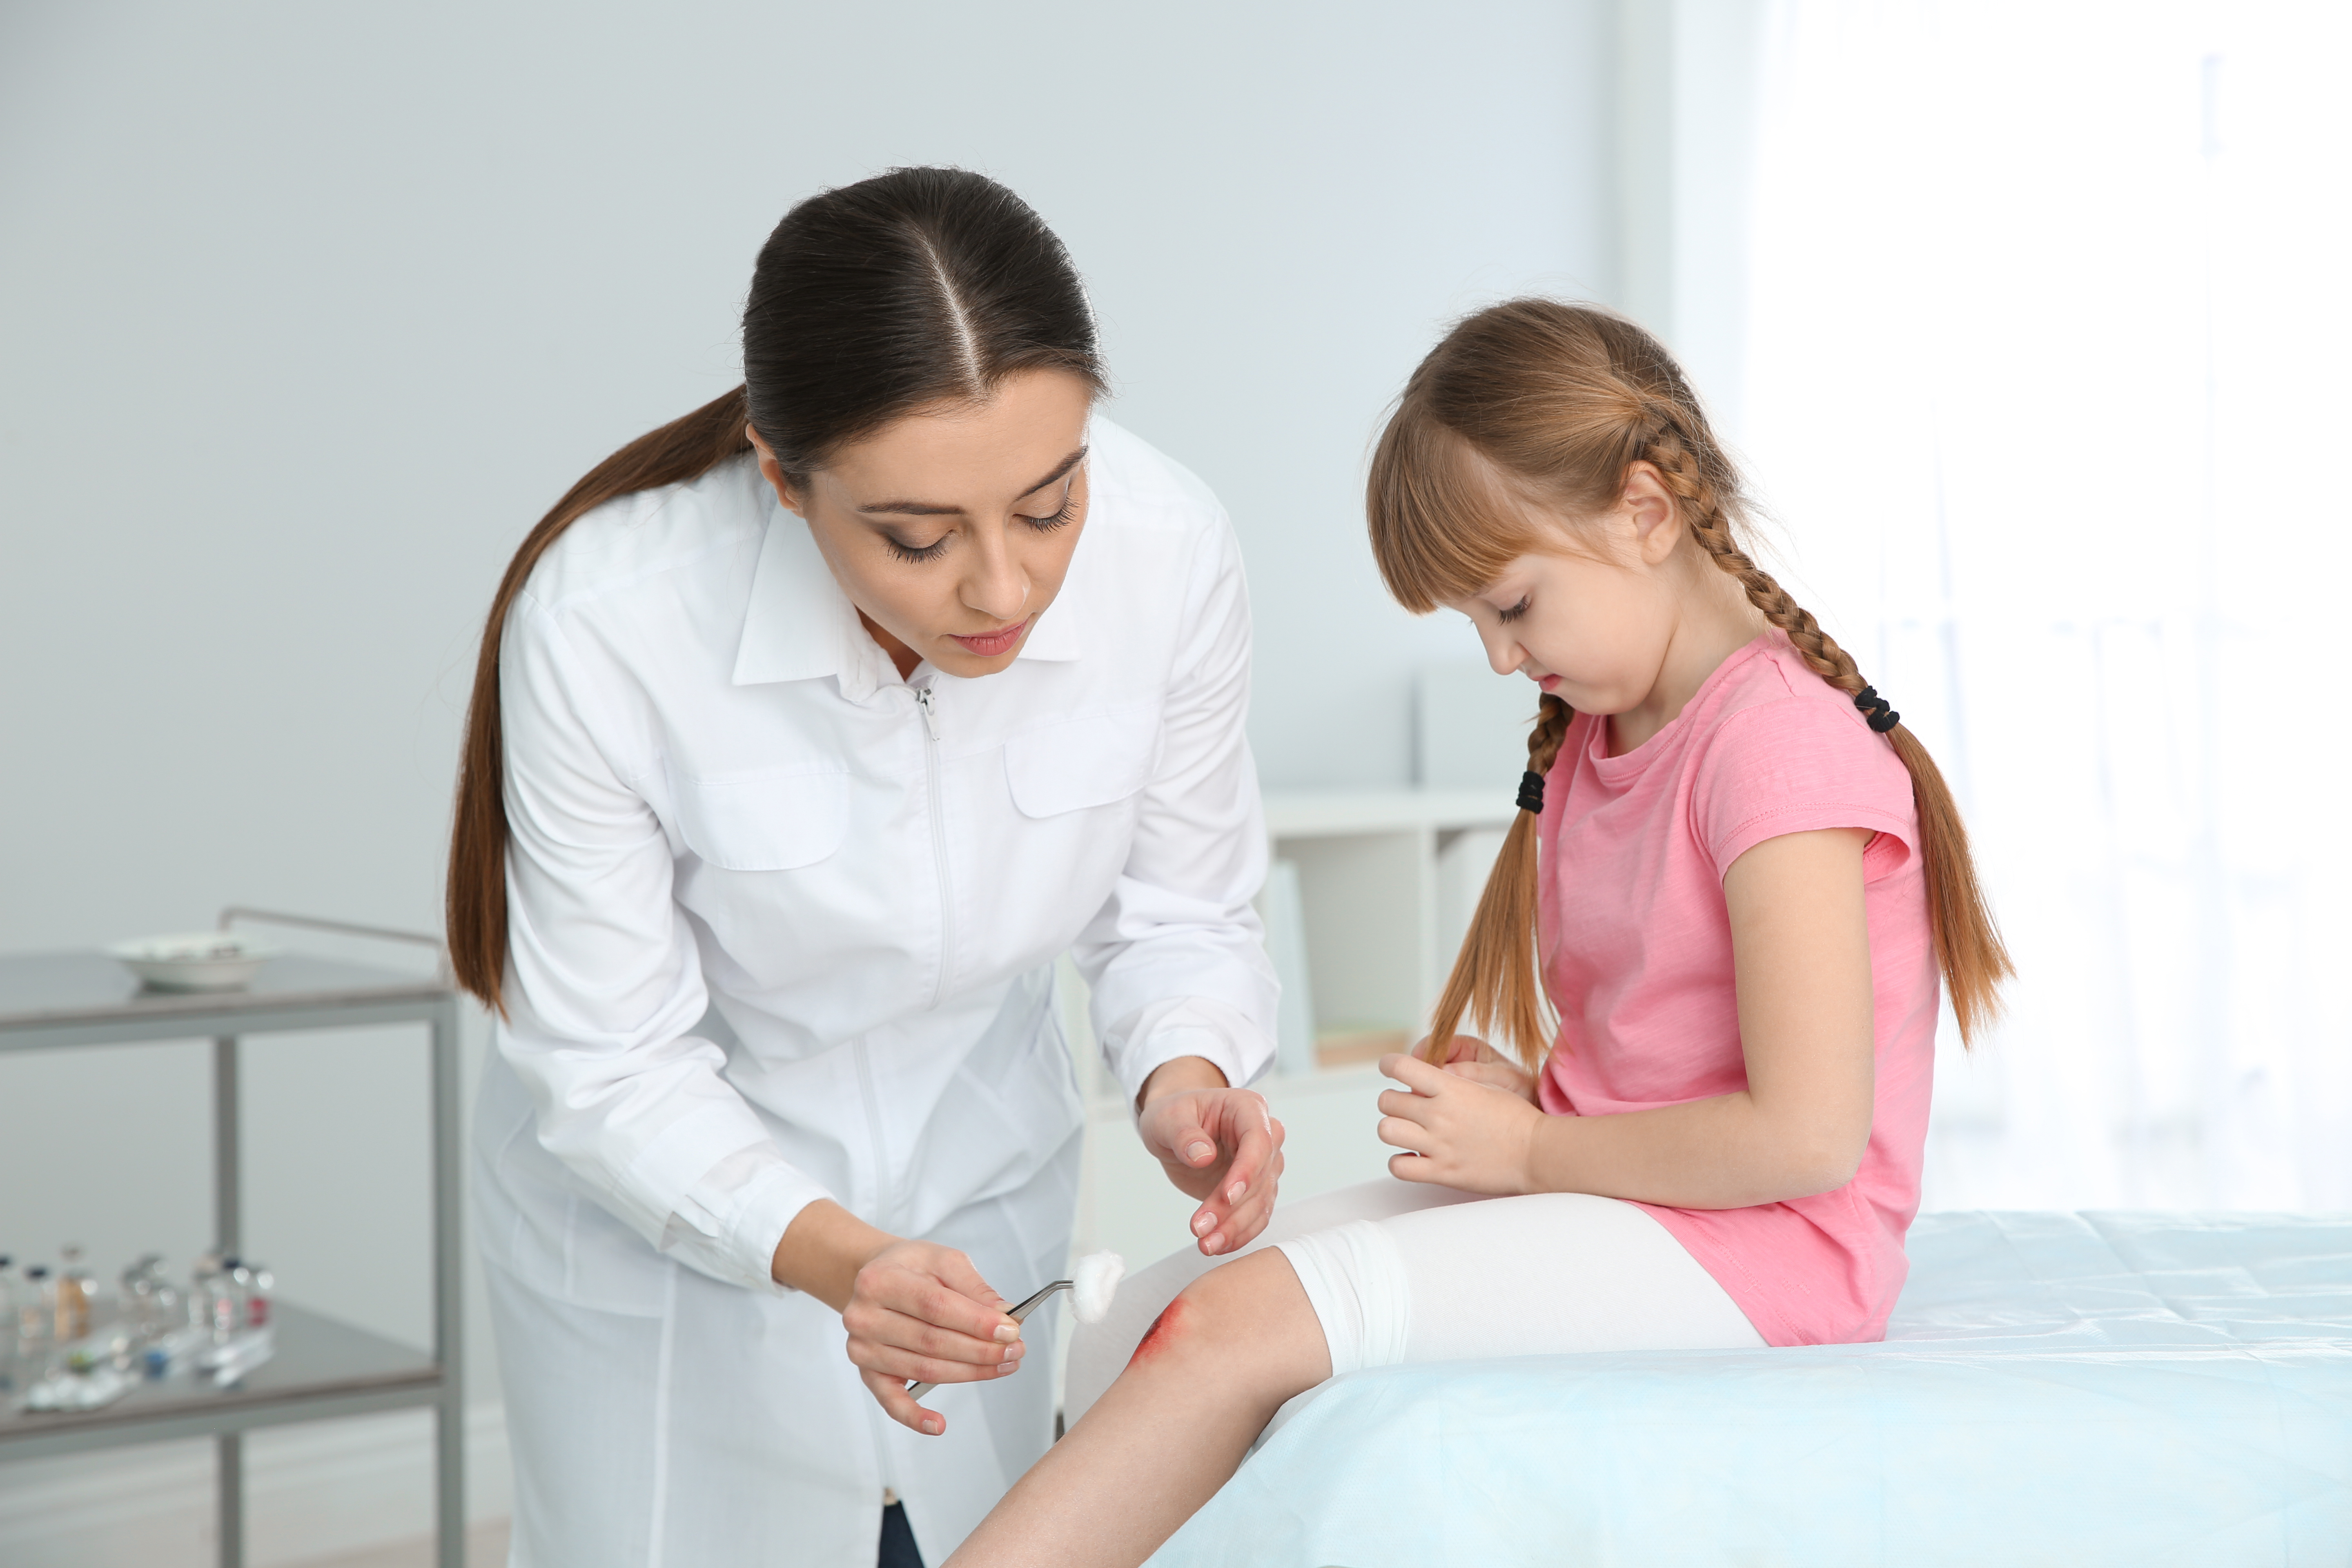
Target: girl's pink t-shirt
(1637,943)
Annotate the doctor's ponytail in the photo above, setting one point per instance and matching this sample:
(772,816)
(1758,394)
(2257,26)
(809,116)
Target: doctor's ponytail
(868,302)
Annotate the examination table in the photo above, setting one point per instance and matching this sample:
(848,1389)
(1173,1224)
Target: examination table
(2069,1389)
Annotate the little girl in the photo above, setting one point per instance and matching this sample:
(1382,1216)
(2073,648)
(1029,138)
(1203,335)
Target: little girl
(1740,879)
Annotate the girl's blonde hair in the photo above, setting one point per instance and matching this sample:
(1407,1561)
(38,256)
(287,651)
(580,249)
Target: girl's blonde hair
(1560,401)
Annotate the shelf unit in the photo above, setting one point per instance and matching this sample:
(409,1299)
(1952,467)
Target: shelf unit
(1370,894)
(323,1369)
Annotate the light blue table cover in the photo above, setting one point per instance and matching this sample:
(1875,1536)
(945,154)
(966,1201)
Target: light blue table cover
(2068,1389)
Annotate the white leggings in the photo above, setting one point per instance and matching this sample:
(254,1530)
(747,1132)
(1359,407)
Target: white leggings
(1401,1271)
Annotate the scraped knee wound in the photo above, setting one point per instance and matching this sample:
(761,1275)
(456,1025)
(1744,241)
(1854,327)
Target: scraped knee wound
(1355,1280)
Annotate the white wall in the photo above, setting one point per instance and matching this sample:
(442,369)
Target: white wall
(1687,78)
(310,310)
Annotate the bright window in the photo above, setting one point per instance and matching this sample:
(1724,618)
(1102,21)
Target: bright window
(2049,328)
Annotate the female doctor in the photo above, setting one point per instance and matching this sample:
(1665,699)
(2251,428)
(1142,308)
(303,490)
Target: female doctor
(806,735)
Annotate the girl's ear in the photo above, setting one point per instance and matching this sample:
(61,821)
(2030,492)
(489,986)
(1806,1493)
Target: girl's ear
(1650,506)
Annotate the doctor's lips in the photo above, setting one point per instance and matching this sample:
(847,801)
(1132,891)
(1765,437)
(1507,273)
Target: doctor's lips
(990,644)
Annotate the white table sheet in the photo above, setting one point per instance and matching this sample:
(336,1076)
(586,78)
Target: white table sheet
(2068,1389)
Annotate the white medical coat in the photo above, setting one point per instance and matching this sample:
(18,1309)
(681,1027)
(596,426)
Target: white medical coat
(782,927)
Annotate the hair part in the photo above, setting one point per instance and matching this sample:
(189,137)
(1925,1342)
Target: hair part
(1562,400)
(907,292)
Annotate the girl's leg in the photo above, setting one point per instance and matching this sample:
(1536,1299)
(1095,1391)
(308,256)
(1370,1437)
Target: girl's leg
(1215,1366)
(1552,1273)
(1100,1351)
(1548,1274)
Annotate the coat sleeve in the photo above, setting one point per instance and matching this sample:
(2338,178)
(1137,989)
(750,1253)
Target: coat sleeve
(604,988)
(1176,956)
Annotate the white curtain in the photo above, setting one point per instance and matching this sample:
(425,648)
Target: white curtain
(2047,344)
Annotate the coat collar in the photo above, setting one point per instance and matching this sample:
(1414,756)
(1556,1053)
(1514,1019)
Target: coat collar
(800,627)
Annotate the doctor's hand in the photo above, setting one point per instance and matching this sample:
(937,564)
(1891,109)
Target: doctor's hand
(915,1311)
(921,1313)
(1473,1134)
(1219,1144)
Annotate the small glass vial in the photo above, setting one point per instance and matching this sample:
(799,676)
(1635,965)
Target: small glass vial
(137,1294)
(37,1312)
(197,1304)
(150,1305)
(258,1283)
(74,1287)
(224,1300)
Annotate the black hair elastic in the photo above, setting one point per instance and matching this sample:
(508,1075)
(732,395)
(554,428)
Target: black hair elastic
(1531,792)
(1874,709)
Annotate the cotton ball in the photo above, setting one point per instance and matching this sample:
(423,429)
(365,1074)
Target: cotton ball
(1098,1275)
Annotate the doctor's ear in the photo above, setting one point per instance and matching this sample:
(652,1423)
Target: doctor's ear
(773,472)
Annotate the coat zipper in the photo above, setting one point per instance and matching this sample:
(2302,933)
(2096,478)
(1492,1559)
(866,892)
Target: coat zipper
(938,840)
(883,1195)
(882,1185)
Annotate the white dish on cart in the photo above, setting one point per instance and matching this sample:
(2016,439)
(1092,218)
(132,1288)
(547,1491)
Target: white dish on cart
(195,961)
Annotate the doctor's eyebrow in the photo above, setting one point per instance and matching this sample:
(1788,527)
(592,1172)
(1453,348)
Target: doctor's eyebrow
(925,509)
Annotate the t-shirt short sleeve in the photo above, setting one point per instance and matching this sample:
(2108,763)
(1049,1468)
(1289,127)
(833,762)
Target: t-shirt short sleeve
(1795,766)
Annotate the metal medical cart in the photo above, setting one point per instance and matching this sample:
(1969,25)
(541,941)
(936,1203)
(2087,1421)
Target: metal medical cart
(323,1369)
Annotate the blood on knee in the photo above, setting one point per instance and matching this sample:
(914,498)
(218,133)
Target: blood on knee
(1165,1329)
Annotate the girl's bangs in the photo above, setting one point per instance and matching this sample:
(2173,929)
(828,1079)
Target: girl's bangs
(1441,531)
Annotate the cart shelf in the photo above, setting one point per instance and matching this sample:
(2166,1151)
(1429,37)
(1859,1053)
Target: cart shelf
(323,1369)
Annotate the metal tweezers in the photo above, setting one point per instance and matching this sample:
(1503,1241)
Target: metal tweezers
(1018,1314)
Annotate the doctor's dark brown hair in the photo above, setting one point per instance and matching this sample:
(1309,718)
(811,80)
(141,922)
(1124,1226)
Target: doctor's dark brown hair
(1557,403)
(868,302)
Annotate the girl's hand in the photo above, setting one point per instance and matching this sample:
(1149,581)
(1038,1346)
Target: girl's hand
(1221,1145)
(1482,1063)
(919,1313)
(1458,1131)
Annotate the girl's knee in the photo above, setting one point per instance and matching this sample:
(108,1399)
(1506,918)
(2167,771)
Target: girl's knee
(1225,1309)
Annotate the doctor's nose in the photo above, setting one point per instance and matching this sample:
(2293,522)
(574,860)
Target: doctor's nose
(997,586)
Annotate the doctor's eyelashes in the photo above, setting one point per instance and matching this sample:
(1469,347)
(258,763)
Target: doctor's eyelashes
(1047,525)
(916,553)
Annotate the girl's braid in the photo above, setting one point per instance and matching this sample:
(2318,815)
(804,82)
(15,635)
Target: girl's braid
(1551,729)
(1667,449)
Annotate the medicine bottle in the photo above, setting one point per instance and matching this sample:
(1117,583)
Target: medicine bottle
(75,1288)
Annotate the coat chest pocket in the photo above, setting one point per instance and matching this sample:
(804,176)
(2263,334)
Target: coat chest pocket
(1091,760)
(772,820)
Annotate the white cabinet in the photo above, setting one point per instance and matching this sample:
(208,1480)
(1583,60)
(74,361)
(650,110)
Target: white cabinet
(1371,893)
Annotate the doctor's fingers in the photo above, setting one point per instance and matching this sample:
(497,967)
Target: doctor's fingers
(891,1394)
(883,1307)
(955,1270)
(1240,1227)
(1245,1187)
(913,1336)
(1257,1140)
(935,1283)
(912,1366)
